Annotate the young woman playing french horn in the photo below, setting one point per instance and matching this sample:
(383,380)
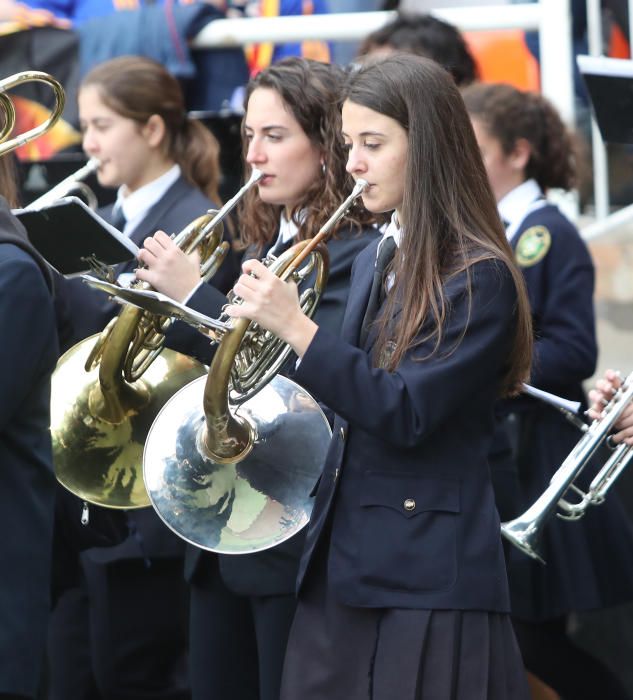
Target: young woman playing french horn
(242,607)
(166,168)
(402,587)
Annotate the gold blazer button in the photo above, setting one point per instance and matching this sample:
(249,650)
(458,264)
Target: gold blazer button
(409,504)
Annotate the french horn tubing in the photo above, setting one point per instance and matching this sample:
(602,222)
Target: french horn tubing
(7,145)
(235,477)
(107,389)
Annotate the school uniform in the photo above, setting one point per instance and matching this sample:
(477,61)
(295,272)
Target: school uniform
(171,209)
(589,562)
(28,353)
(586,567)
(134,593)
(402,586)
(242,606)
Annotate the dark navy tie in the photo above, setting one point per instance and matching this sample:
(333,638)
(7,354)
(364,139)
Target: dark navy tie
(377,293)
(118,218)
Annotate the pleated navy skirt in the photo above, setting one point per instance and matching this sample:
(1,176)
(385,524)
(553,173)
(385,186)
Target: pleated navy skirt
(339,652)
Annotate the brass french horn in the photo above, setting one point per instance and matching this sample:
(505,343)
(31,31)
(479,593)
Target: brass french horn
(107,389)
(231,459)
(7,145)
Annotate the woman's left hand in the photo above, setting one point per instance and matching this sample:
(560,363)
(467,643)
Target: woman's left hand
(273,304)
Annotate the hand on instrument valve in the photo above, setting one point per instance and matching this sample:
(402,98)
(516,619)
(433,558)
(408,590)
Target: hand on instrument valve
(601,395)
(168,269)
(273,304)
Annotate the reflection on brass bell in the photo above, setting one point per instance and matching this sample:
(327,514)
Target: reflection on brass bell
(409,504)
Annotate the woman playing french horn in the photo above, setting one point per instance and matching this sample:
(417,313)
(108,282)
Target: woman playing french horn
(242,606)
(165,166)
(403,566)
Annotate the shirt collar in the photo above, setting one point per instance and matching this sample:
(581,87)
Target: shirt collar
(392,230)
(288,229)
(518,203)
(136,205)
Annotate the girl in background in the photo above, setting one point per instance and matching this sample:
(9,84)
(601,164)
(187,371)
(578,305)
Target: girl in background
(527,151)
(165,166)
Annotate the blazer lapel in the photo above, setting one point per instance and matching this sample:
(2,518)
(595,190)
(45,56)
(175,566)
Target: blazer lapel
(359,294)
(373,332)
(152,221)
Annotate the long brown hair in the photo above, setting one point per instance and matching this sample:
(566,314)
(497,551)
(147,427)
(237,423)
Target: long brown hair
(509,114)
(137,88)
(311,91)
(448,211)
(8,180)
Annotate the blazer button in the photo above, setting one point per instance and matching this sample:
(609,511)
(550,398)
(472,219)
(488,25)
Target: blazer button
(342,433)
(409,504)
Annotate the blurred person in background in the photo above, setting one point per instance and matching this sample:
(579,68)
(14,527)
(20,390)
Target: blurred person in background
(424,35)
(527,151)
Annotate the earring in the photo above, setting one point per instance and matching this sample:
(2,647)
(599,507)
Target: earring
(323,168)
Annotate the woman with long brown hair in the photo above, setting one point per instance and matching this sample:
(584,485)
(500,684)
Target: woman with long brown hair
(402,587)
(242,607)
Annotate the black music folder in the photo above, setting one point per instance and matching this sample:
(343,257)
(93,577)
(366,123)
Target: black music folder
(609,83)
(68,235)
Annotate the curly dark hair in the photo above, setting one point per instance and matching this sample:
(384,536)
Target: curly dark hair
(508,114)
(311,91)
(425,35)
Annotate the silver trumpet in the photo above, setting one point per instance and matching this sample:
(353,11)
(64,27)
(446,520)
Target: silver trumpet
(524,531)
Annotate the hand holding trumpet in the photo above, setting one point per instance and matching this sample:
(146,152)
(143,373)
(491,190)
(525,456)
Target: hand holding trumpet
(600,396)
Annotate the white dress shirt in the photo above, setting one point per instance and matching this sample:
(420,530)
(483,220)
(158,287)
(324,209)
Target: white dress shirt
(518,203)
(136,204)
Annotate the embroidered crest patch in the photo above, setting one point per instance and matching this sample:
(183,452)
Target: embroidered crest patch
(533,246)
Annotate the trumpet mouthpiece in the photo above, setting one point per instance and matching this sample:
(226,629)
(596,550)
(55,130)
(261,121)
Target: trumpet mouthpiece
(361,184)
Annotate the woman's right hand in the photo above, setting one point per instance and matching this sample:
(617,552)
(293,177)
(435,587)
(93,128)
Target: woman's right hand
(601,395)
(168,269)
(273,304)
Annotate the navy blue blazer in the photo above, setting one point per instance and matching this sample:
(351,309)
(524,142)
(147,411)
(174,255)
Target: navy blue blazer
(405,496)
(28,353)
(560,288)
(274,572)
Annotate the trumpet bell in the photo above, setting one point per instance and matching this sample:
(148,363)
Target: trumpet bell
(524,535)
(99,458)
(245,506)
